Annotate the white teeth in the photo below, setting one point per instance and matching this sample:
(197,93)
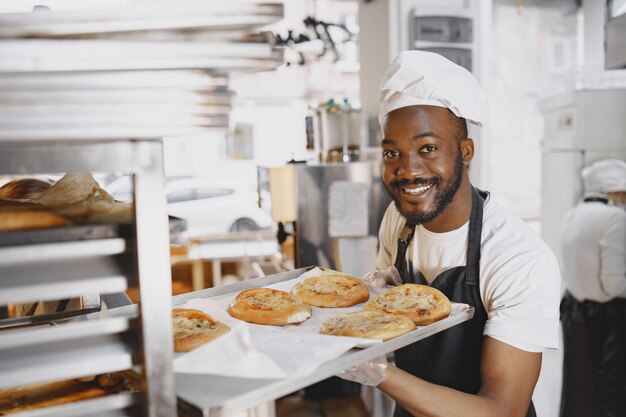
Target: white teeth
(418,190)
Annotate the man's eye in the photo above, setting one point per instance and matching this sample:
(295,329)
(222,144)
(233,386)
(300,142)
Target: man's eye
(428,149)
(390,154)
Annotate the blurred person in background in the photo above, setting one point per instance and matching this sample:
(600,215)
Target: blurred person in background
(593,309)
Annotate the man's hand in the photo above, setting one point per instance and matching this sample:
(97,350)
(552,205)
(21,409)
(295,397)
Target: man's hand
(367,373)
(508,378)
(384,277)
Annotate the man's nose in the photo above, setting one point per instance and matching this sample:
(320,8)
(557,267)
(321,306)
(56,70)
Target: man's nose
(411,167)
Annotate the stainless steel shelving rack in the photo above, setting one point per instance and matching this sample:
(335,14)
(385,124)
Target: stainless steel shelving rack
(96,92)
(62,270)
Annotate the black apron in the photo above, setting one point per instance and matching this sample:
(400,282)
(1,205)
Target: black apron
(450,358)
(594,361)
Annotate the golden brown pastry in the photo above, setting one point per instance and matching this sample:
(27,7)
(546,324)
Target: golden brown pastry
(80,198)
(12,220)
(268,306)
(421,303)
(369,325)
(193,328)
(331,291)
(23,189)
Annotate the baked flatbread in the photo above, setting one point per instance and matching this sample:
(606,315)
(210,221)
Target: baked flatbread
(86,394)
(23,189)
(193,328)
(49,394)
(369,325)
(73,188)
(80,198)
(268,306)
(11,220)
(95,211)
(421,303)
(331,291)
(20,205)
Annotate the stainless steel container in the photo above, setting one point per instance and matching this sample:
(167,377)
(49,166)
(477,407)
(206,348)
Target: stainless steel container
(338,128)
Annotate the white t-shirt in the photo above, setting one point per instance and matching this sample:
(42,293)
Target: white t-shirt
(519,275)
(593,252)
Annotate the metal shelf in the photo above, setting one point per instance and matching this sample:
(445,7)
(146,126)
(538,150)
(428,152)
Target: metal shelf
(64,359)
(86,133)
(55,280)
(34,55)
(97,91)
(128,81)
(137,18)
(109,406)
(15,338)
(45,252)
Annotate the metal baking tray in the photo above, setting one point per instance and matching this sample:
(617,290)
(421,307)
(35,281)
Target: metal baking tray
(151,16)
(66,359)
(167,98)
(50,252)
(211,395)
(116,132)
(60,279)
(64,349)
(126,81)
(68,330)
(108,133)
(116,405)
(64,234)
(116,400)
(35,55)
(80,233)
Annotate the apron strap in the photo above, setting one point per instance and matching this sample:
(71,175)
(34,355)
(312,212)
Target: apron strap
(596,200)
(403,244)
(474,238)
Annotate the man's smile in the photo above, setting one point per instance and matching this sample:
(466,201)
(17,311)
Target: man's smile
(415,190)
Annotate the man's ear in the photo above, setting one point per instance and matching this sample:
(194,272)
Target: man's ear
(467,150)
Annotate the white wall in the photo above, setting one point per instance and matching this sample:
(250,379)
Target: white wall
(533,51)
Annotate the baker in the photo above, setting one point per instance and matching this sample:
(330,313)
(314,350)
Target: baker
(442,231)
(593,310)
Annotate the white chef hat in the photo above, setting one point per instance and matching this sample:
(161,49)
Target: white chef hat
(606,176)
(426,78)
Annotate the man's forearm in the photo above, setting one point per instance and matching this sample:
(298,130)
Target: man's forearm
(425,399)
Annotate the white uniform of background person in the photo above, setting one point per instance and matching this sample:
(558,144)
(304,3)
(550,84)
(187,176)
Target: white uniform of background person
(518,272)
(593,310)
(594,238)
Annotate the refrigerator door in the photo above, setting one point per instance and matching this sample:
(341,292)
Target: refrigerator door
(340,207)
(561,189)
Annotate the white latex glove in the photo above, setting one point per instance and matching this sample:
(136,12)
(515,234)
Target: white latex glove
(384,277)
(367,373)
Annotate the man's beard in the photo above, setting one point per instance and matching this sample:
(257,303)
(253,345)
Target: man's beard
(442,199)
